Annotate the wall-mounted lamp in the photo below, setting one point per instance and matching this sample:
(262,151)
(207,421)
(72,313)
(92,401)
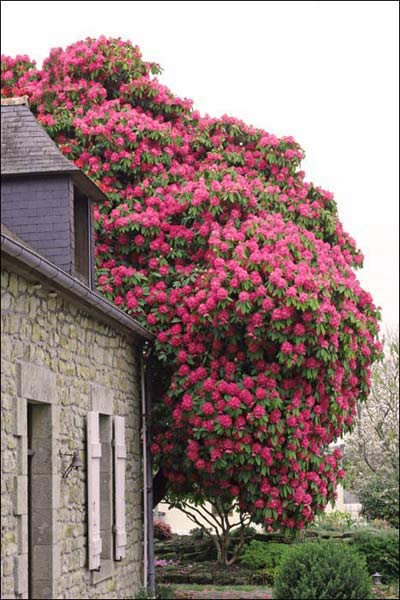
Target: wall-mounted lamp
(377,578)
(75,463)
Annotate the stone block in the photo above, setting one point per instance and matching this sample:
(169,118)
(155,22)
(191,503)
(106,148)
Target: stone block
(102,399)
(37,383)
(20,415)
(20,495)
(6,302)
(23,534)
(106,571)
(21,574)
(23,455)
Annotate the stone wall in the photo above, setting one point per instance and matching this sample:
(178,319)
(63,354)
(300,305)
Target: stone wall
(51,347)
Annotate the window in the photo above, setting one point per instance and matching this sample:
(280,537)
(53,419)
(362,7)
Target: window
(41,519)
(106,453)
(82,238)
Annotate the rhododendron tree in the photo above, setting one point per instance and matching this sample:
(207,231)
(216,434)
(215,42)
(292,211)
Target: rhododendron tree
(213,239)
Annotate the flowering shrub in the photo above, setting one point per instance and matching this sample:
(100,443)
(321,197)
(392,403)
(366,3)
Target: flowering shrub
(162,531)
(163,562)
(213,239)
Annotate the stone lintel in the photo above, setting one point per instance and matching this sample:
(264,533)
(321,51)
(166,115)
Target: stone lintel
(37,383)
(102,399)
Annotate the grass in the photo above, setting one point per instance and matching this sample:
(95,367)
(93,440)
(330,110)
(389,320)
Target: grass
(384,591)
(197,587)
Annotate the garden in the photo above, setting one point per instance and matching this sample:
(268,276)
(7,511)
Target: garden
(334,558)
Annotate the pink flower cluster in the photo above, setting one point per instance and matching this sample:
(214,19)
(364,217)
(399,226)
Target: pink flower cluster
(212,238)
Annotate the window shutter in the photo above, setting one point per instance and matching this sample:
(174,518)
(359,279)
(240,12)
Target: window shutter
(93,474)
(119,474)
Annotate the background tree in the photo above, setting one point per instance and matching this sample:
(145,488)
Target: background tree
(372,450)
(212,238)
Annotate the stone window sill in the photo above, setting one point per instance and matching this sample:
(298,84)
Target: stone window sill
(106,571)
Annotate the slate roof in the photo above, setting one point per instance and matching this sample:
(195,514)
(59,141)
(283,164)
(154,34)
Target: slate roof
(26,148)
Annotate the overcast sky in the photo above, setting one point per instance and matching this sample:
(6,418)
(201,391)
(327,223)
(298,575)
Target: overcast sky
(324,72)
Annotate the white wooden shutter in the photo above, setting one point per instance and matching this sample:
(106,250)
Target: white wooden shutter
(93,474)
(119,482)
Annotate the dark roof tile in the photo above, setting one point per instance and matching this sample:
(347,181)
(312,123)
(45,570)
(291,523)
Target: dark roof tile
(26,147)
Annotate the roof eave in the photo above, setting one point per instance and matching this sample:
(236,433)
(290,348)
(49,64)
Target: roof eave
(59,279)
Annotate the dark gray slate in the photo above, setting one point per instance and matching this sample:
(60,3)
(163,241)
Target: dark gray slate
(26,147)
(38,210)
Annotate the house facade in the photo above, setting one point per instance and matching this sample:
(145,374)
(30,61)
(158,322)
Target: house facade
(71,387)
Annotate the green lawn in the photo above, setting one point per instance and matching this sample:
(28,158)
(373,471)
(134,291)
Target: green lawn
(196,587)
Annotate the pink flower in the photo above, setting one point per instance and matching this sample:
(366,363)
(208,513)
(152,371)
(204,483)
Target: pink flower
(260,393)
(234,403)
(275,415)
(258,411)
(182,356)
(225,421)
(207,408)
(187,402)
(287,348)
(222,294)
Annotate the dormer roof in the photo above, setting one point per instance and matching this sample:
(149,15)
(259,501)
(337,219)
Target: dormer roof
(27,149)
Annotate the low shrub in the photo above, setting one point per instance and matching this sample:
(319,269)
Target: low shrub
(249,532)
(162,592)
(264,556)
(198,533)
(381,551)
(162,531)
(318,571)
(334,521)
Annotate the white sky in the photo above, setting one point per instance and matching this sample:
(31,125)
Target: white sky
(324,72)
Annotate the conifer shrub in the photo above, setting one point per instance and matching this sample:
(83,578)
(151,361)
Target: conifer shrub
(323,570)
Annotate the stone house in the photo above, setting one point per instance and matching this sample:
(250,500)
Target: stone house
(72,387)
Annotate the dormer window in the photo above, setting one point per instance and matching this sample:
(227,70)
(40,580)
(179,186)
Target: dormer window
(82,241)
(45,199)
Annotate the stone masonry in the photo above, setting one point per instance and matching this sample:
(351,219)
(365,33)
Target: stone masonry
(52,351)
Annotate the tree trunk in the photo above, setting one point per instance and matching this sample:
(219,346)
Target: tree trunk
(160,484)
